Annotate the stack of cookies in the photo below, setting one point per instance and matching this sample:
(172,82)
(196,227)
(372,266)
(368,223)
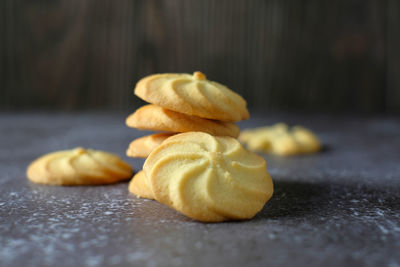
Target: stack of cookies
(196,142)
(183,103)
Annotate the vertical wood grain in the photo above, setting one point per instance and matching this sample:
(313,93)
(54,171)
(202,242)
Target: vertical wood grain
(393,56)
(292,55)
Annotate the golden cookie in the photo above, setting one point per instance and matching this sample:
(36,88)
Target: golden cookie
(279,139)
(155,118)
(192,95)
(208,178)
(140,186)
(308,141)
(141,147)
(78,166)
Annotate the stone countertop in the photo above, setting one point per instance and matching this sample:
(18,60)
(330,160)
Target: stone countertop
(340,207)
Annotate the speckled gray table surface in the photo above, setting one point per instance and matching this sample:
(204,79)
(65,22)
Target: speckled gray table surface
(337,208)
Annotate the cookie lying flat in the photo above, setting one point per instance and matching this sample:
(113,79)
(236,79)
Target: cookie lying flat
(192,95)
(155,118)
(141,147)
(208,178)
(78,166)
(281,140)
(140,186)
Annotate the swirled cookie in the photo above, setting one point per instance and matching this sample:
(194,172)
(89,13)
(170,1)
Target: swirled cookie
(140,186)
(281,140)
(78,166)
(155,118)
(208,178)
(192,95)
(142,146)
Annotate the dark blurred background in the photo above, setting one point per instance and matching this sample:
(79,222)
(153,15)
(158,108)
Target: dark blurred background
(329,56)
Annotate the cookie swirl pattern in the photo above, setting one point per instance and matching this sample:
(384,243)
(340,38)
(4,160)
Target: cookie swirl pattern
(139,186)
(208,178)
(78,166)
(156,118)
(281,140)
(192,95)
(143,146)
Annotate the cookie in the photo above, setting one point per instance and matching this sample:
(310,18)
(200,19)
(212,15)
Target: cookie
(141,147)
(192,95)
(281,140)
(155,118)
(208,178)
(140,187)
(78,166)
(307,140)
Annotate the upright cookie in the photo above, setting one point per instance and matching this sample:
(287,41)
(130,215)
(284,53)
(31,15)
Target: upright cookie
(78,167)
(155,118)
(192,95)
(140,186)
(208,178)
(142,147)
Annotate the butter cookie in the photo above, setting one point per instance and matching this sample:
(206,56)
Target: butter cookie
(192,95)
(140,186)
(281,140)
(78,166)
(208,178)
(141,147)
(155,118)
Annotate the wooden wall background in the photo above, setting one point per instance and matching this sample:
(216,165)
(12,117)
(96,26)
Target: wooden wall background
(279,54)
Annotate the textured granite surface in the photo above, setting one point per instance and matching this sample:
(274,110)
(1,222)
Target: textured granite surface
(337,208)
